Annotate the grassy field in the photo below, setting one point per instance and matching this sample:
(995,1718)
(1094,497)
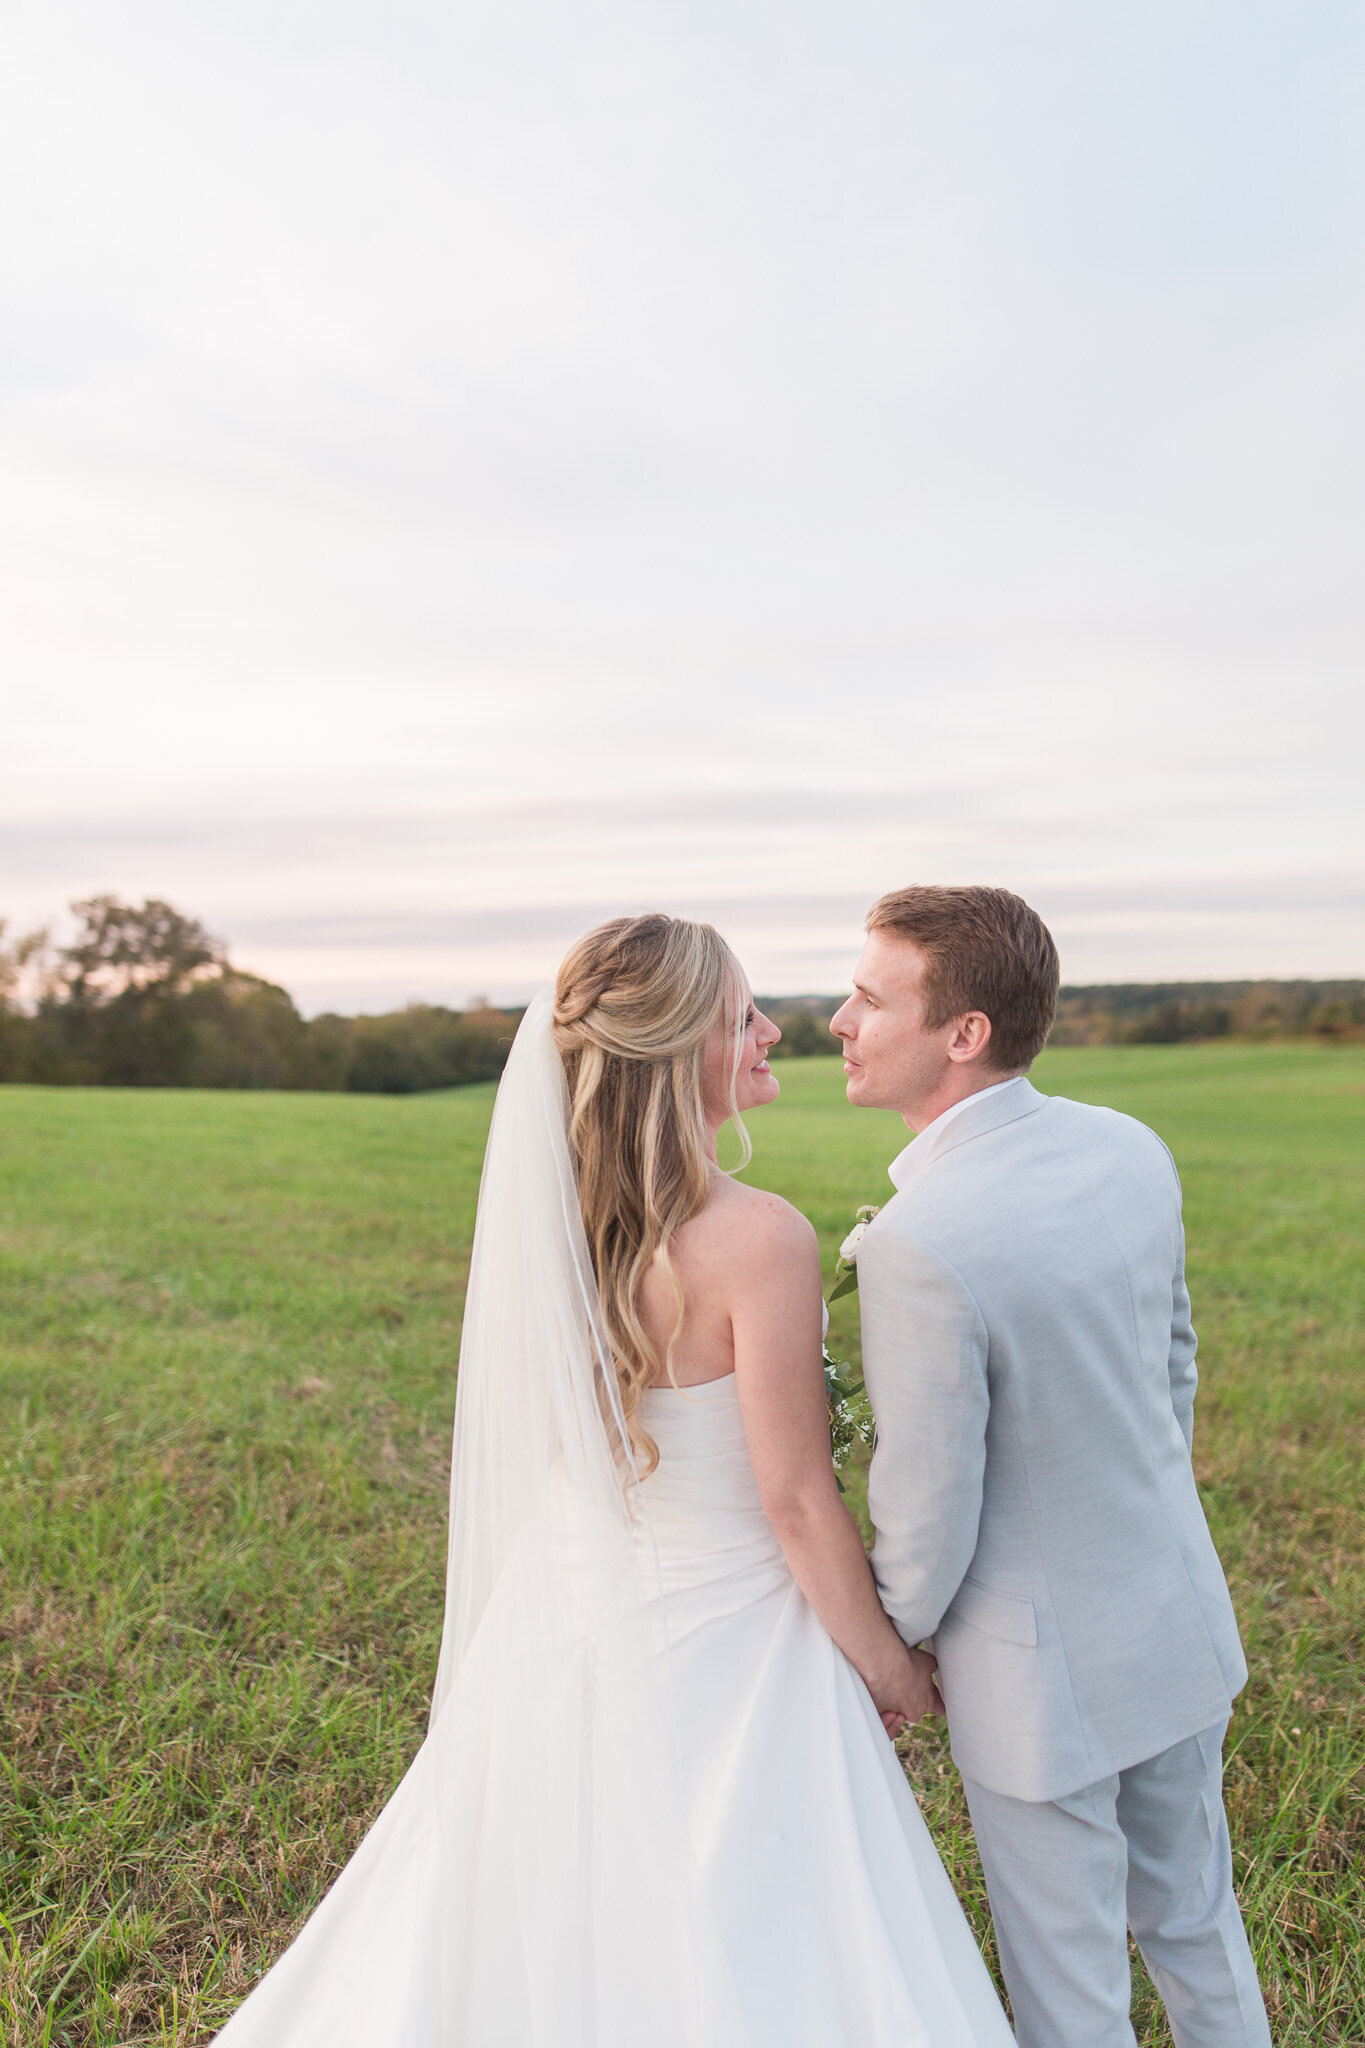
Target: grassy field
(228,1326)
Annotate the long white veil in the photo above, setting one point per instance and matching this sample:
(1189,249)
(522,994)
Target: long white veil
(538,1421)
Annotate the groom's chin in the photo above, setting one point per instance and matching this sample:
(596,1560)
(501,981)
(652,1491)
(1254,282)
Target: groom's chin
(859,1091)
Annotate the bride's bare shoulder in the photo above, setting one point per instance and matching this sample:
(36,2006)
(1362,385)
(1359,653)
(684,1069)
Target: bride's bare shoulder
(742,1228)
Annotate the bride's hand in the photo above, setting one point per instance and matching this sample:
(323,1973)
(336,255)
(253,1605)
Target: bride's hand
(906,1692)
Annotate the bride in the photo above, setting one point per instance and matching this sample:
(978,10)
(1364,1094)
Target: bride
(657,1806)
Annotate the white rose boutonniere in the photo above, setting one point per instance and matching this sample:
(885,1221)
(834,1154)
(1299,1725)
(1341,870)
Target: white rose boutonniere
(849,1248)
(846,1271)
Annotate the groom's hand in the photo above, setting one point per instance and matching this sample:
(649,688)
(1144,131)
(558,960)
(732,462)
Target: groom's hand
(916,1694)
(927,1699)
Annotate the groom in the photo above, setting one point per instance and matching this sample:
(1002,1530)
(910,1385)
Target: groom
(1029,1357)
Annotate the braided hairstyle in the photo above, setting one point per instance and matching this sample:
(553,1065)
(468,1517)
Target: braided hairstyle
(635,1002)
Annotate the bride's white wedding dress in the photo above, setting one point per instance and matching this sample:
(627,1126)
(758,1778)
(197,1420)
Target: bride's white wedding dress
(836,1916)
(656,1807)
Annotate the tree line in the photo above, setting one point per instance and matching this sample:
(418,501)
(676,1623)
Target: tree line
(1180,1012)
(144,996)
(1141,1013)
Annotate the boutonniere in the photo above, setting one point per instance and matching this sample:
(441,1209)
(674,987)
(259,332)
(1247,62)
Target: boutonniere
(846,1269)
(850,1414)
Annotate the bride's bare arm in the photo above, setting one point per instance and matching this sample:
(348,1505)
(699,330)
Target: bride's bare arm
(775,1305)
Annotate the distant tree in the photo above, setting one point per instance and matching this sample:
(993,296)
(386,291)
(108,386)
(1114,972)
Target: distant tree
(1210,1020)
(20,958)
(121,949)
(426,1046)
(1264,1010)
(1162,1026)
(1338,1019)
(115,1010)
(15,959)
(803,1035)
(246,1033)
(325,1054)
(1173,1022)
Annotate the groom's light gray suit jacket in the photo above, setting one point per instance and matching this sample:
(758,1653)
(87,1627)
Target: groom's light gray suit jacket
(1030,1361)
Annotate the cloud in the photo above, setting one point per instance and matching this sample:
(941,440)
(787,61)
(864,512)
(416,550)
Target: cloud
(468,469)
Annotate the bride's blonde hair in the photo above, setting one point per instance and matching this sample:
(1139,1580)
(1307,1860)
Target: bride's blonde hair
(635,1002)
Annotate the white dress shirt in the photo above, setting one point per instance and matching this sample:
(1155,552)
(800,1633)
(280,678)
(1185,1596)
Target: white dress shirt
(899,1166)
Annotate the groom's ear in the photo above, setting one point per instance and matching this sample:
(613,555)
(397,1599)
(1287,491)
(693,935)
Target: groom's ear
(971,1039)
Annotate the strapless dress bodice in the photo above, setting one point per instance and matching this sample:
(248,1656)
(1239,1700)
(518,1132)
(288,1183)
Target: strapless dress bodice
(703,1451)
(702,1514)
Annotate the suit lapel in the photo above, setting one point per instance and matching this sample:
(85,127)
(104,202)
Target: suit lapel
(992,1113)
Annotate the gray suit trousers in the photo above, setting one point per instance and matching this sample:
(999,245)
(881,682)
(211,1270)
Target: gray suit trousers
(1146,1849)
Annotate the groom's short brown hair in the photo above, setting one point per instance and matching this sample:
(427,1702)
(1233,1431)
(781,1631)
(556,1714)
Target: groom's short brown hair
(984,949)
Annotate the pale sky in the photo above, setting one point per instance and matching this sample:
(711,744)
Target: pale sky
(465,472)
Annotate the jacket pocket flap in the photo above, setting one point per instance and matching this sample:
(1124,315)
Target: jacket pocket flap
(999,1614)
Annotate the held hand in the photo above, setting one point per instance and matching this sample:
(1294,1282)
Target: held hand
(906,1693)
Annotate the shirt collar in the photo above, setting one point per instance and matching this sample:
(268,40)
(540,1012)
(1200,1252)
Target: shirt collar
(902,1165)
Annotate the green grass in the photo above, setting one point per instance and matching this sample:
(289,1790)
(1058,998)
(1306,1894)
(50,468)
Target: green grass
(228,1326)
